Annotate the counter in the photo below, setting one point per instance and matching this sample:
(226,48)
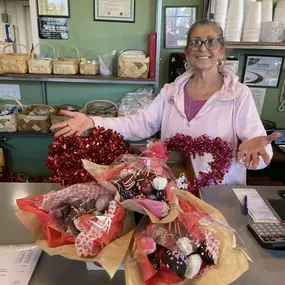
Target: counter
(268,267)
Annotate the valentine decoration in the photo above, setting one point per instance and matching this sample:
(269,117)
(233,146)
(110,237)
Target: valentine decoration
(220,150)
(65,154)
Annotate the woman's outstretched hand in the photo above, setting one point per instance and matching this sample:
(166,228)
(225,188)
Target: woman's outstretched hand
(251,150)
(75,126)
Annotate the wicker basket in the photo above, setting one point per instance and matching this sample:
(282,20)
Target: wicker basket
(58,119)
(14,62)
(102,108)
(38,124)
(133,67)
(89,68)
(8,123)
(41,66)
(66,65)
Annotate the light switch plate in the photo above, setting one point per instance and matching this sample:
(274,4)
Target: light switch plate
(10,90)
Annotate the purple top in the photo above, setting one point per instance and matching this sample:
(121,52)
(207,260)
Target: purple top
(191,106)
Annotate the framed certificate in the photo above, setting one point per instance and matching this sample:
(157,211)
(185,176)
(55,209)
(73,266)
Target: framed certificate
(262,71)
(114,10)
(53,8)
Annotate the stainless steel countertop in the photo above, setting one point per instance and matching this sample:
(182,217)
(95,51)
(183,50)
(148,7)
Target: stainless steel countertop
(268,267)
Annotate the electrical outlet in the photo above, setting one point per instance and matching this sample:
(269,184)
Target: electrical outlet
(10,90)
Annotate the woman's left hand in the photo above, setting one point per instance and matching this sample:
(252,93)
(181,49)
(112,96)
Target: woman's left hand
(251,150)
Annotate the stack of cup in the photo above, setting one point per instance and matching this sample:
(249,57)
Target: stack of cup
(267,11)
(221,9)
(252,23)
(234,21)
(279,12)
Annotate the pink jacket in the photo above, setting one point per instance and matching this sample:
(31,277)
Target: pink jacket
(229,113)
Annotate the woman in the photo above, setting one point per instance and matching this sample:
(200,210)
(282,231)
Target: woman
(201,101)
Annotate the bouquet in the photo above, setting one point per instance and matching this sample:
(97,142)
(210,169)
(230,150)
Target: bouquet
(199,247)
(141,183)
(78,222)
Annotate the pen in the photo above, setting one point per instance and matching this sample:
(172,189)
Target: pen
(245,208)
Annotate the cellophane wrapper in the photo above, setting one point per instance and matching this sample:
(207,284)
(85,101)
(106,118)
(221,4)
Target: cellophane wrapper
(96,231)
(206,227)
(132,167)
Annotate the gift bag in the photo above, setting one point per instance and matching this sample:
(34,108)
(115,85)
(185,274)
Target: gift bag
(81,222)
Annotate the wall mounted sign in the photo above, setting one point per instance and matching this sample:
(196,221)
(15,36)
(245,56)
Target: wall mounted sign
(53,28)
(114,10)
(53,8)
(177,22)
(262,71)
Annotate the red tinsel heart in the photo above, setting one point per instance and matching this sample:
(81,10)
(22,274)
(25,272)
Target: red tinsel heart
(192,147)
(65,154)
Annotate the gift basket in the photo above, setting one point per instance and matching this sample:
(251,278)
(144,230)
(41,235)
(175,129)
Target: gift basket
(79,222)
(141,183)
(199,247)
(66,65)
(14,62)
(134,101)
(102,108)
(35,118)
(8,115)
(41,64)
(89,67)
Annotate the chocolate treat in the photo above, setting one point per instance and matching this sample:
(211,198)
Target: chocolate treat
(184,245)
(175,261)
(153,259)
(71,229)
(140,196)
(88,205)
(144,184)
(159,183)
(160,195)
(129,182)
(205,255)
(193,266)
(118,184)
(103,202)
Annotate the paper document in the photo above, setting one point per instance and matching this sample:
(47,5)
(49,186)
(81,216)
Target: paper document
(258,97)
(257,208)
(17,264)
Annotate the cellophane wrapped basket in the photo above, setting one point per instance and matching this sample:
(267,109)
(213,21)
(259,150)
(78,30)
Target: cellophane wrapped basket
(89,67)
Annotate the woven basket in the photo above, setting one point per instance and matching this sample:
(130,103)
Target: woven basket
(102,108)
(66,65)
(14,62)
(89,68)
(8,123)
(58,119)
(41,66)
(133,67)
(38,124)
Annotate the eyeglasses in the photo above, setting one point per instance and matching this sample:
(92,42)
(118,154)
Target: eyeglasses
(210,44)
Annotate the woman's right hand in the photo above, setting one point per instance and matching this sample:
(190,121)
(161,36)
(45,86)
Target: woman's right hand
(76,125)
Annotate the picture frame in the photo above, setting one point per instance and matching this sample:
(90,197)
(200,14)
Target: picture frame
(262,71)
(115,10)
(51,8)
(177,22)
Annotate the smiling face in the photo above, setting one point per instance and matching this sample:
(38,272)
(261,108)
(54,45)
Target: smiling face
(204,58)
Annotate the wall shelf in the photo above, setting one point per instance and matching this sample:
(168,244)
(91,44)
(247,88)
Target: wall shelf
(255,45)
(76,79)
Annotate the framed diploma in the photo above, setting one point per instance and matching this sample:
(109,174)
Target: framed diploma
(114,10)
(262,71)
(53,8)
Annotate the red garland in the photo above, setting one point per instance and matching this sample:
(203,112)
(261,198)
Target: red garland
(65,154)
(192,147)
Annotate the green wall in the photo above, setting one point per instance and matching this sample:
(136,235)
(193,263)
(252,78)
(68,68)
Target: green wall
(28,153)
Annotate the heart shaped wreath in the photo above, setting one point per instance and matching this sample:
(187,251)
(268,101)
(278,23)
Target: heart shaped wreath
(220,150)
